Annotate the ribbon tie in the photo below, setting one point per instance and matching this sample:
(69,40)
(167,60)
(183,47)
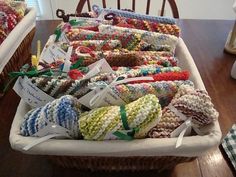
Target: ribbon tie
(183,129)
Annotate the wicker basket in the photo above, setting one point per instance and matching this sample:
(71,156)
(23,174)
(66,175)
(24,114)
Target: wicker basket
(22,53)
(116,155)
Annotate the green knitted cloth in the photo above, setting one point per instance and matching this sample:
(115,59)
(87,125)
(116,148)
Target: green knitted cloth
(141,115)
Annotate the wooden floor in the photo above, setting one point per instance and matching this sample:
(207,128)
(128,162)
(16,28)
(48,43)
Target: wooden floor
(205,40)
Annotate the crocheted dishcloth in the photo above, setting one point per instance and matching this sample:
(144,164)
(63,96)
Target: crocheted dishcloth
(192,103)
(128,41)
(142,114)
(157,39)
(57,86)
(63,112)
(132,15)
(97,45)
(129,58)
(147,25)
(137,71)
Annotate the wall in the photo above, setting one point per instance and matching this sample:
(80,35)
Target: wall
(188,9)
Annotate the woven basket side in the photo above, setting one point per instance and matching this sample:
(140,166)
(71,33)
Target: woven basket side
(119,163)
(21,56)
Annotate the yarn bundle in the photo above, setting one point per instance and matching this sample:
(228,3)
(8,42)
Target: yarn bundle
(191,103)
(63,112)
(141,114)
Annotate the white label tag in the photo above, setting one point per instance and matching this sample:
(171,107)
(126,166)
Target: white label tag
(101,97)
(101,66)
(30,93)
(63,38)
(51,53)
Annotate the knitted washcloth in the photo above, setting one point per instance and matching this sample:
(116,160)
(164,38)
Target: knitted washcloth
(128,58)
(191,103)
(133,15)
(142,114)
(128,41)
(63,112)
(147,25)
(137,71)
(97,45)
(157,39)
(57,86)
(164,90)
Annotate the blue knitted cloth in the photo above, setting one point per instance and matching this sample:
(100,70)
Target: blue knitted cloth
(128,14)
(62,112)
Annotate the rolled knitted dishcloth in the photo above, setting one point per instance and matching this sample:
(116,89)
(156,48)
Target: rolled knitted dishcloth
(157,39)
(194,104)
(128,58)
(62,112)
(101,123)
(144,25)
(133,15)
(128,41)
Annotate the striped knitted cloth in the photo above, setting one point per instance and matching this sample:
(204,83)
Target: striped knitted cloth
(127,14)
(131,72)
(63,112)
(157,39)
(97,45)
(146,25)
(100,123)
(128,41)
(58,86)
(128,58)
(191,103)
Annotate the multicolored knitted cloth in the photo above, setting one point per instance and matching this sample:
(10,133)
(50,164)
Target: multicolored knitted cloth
(105,123)
(144,25)
(170,76)
(128,14)
(164,90)
(63,112)
(157,39)
(191,103)
(10,14)
(127,58)
(58,86)
(97,45)
(128,41)
(137,71)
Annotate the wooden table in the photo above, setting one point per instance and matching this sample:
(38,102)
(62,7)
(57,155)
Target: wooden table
(205,40)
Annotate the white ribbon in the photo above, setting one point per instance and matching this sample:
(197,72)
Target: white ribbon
(50,131)
(183,129)
(96,99)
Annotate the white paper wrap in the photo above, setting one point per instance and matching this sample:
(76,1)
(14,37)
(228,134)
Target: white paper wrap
(191,146)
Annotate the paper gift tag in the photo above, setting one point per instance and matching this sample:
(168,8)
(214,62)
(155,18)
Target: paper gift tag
(101,97)
(101,66)
(30,93)
(63,38)
(51,53)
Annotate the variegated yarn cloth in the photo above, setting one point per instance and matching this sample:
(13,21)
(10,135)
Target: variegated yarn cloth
(187,103)
(102,123)
(159,40)
(63,112)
